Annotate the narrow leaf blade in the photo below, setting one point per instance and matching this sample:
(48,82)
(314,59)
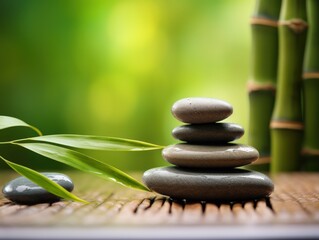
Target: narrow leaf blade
(8,122)
(84,163)
(97,142)
(44,182)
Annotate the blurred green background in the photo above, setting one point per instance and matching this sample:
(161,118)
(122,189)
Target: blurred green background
(114,68)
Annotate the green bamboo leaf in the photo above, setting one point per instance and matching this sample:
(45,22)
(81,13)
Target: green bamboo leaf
(43,182)
(96,142)
(8,122)
(84,163)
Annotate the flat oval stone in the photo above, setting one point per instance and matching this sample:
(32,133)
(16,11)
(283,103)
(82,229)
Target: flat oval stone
(22,191)
(210,156)
(208,133)
(207,185)
(201,110)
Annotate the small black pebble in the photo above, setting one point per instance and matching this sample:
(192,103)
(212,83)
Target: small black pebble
(22,191)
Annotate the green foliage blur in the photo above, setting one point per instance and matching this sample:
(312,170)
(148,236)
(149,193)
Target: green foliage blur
(114,68)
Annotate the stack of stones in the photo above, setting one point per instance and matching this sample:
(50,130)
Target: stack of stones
(205,164)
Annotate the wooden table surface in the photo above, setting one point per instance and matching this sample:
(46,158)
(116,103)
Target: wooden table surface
(115,212)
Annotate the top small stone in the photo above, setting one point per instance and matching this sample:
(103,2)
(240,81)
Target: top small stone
(201,110)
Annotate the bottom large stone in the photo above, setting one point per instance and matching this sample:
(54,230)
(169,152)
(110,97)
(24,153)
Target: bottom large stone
(210,185)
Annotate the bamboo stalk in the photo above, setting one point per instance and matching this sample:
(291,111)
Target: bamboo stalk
(286,125)
(310,149)
(262,83)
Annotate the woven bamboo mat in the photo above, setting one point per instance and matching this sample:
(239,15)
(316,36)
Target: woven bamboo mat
(115,212)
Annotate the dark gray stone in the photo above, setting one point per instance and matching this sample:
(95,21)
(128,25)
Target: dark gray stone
(201,110)
(208,185)
(208,133)
(210,156)
(22,191)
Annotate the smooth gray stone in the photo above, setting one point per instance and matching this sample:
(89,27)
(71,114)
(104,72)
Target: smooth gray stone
(22,191)
(208,133)
(201,110)
(207,185)
(209,156)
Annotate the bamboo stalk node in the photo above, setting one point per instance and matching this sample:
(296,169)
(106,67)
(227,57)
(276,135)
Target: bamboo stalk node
(286,125)
(262,160)
(297,25)
(310,75)
(263,21)
(310,151)
(254,87)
